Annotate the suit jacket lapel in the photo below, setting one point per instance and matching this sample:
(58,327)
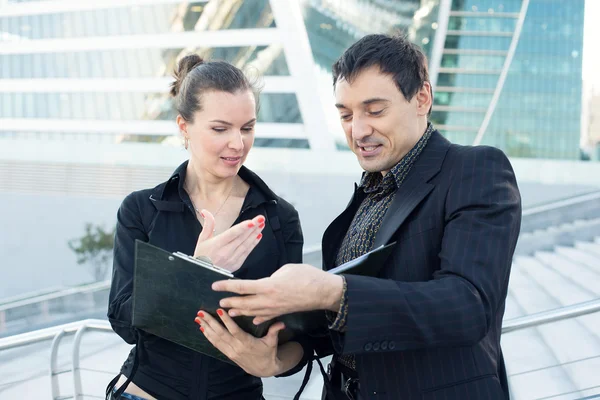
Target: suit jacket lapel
(415,187)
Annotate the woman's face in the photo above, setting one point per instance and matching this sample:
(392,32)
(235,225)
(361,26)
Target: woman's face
(222,133)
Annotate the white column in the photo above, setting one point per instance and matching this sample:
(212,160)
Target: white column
(439,42)
(293,36)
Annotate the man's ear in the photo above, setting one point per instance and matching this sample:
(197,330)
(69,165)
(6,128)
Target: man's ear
(424,99)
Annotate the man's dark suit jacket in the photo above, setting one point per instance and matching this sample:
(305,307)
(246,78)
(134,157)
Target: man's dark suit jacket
(429,326)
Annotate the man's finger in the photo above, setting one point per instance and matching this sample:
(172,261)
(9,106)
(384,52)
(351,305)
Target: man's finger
(208,227)
(246,304)
(239,286)
(260,320)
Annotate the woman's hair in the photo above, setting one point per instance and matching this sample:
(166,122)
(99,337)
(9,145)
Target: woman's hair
(194,76)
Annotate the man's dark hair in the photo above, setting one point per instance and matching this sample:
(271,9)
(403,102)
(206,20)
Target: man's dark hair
(395,55)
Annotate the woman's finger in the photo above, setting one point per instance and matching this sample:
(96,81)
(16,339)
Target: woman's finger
(248,238)
(240,232)
(241,252)
(231,326)
(215,333)
(208,227)
(272,338)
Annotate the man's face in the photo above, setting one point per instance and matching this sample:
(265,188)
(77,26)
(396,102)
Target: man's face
(381,126)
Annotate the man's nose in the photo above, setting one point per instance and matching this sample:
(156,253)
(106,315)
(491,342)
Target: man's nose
(360,129)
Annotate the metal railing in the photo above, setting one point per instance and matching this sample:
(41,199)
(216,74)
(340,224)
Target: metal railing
(554,213)
(58,333)
(51,308)
(41,306)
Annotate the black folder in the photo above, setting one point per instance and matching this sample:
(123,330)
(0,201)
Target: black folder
(170,288)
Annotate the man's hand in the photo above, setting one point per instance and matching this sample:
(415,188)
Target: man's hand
(292,288)
(229,249)
(258,357)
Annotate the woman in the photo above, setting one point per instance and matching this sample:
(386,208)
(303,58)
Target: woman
(189,212)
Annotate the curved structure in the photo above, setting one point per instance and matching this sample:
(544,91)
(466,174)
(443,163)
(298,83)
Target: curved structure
(502,79)
(509,75)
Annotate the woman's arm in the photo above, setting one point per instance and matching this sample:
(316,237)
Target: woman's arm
(129,228)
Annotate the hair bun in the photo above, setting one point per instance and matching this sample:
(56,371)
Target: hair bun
(184,66)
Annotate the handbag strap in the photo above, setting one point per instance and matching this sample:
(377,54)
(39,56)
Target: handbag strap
(273,218)
(332,393)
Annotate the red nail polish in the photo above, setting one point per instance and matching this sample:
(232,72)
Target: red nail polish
(200,314)
(202,329)
(220,312)
(259,236)
(197,320)
(250,225)
(261,220)
(203,216)
(261,225)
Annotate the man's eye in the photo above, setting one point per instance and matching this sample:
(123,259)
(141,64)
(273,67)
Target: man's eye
(346,117)
(375,113)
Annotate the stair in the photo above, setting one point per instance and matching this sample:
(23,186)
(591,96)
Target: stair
(559,360)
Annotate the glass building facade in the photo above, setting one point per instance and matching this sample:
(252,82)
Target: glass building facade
(538,110)
(537,113)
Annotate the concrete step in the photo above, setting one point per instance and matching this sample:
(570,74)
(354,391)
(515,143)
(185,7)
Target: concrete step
(533,356)
(590,261)
(570,269)
(592,248)
(564,235)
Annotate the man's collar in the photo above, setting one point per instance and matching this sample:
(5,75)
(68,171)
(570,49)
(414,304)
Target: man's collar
(374,181)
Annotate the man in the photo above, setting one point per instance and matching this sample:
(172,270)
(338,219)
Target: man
(428,327)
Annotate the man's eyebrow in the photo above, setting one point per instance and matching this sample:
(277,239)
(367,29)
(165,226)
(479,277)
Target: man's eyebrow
(366,102)
(375,100)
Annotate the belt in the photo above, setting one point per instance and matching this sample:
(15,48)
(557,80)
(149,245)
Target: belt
(351,388)
(346,381)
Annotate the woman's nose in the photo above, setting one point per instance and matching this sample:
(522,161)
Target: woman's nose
(237,143)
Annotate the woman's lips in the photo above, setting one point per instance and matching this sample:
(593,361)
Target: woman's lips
(231,160)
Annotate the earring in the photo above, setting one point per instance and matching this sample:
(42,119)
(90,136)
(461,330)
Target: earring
(186,143)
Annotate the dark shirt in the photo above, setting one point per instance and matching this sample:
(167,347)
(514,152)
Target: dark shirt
(380,191)
(164,217)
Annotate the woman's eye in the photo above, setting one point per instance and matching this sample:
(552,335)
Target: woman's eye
(375,113)
(346,117)
(219,130)
(248,129)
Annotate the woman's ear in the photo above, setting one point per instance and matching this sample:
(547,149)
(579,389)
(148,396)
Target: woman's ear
(182,125)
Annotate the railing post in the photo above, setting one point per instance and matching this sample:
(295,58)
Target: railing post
(77,387)
(54,385)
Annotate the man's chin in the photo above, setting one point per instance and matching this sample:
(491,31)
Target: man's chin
(369,165)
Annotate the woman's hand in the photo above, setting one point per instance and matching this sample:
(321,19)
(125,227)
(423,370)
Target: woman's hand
(229,249)
(256,356)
